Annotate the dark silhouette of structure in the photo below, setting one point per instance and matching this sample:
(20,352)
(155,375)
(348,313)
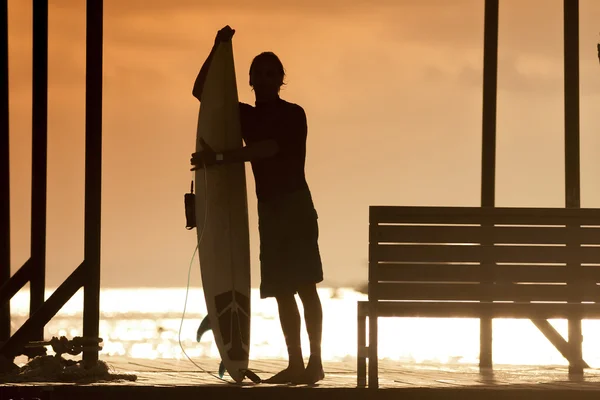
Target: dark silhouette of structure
(87,274)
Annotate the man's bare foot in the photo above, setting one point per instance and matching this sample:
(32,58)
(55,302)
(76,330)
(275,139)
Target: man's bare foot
(288,375)
(313,372)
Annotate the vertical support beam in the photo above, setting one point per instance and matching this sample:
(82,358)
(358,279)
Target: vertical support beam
(4,172)
(39,158)
(572,151)
(488,161)
(571,75)
(361,348)
(93,172)
(373,373)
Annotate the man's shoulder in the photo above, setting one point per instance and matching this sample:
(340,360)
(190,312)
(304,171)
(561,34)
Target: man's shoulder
(293,107)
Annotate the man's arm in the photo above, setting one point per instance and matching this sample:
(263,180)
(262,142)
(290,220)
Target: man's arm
(251,152)
(225,34)
(201,78)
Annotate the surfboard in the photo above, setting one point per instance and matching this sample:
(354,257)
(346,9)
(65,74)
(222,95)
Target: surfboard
(222,219)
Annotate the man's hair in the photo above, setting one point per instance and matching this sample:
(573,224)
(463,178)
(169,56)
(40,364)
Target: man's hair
(268,55)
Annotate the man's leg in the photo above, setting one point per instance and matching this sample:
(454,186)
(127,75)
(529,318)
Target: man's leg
(313,316)
(289,316)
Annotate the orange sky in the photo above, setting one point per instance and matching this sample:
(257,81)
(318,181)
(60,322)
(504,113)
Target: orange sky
(391,88)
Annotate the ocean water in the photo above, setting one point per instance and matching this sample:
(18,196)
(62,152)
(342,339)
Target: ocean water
(147,323)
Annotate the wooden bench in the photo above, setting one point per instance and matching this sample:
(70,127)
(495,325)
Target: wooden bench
(472,262)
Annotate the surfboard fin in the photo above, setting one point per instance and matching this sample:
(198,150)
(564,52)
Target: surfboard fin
(203,328)
(221,369)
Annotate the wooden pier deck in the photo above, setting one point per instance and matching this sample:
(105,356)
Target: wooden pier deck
(180,379)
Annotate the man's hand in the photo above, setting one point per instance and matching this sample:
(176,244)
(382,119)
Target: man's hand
(204,158)
(224,35)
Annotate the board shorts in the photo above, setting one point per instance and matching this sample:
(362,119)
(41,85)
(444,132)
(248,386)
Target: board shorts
(289,249)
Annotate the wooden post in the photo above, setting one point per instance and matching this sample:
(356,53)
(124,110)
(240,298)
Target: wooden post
(572,176)
(488,160)
(39,157)
(373,378)
(93,173)
(4,172)
(361,364)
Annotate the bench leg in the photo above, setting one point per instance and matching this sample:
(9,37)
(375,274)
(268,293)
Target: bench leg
(361,354)
(485,342)
(373,360)
(575,347)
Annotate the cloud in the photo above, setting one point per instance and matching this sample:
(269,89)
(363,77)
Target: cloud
(326,7)
(511,79)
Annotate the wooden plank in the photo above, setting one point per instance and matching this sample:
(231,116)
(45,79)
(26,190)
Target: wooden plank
(519,310)
(478,234)
(475,273)
(429,273)
(476,253)
(479,215)
(425,253)
(477,292)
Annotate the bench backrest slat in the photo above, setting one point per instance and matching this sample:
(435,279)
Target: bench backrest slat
(474,253)
(478,292)
(468,253)
(448,273)
(476,234)
(483,215)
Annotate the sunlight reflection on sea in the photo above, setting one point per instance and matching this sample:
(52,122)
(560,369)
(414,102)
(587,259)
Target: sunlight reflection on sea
(145,322)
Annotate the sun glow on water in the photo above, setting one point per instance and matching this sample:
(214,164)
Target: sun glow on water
(144,323)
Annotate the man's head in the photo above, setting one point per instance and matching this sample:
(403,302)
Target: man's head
(266,74)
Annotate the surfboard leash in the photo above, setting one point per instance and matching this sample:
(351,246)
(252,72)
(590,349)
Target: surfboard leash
(190,204)
(190,213)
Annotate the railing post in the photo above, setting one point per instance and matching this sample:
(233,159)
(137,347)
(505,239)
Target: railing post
(373,372)
(39,157)
(4,172)
(488,154)
(572,152)
(93,172)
